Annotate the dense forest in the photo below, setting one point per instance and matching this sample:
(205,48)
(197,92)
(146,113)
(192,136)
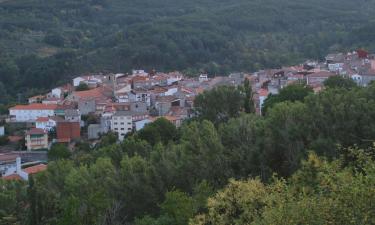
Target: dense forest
(45,42)
(309,160)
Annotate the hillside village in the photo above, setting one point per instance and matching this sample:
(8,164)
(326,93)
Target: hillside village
(95,104)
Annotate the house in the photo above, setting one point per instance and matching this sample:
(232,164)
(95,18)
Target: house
(357,78)
(47,123)
(57,93)
(164,103)
(7,164)
(29,113)
(67,131)
(140,95)
(263,94)
(77,81)
(87,106)
(318,78)
(2,131)
(143,82)
(367,73)
(51,101)
(122,123)
(94,131)
(174,77)
(15,172)
(36,139)
(73,115)
(139,73)
(36,99)
(160,80)
(122,93)
(203,78)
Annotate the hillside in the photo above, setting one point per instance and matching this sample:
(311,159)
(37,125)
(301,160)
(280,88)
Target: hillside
(49,40)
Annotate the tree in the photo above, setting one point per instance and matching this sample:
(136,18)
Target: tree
(295,92)
(219,104)
(59,151)
(249,105)
(161,130)
(321,192)
(82,87)
(339,82)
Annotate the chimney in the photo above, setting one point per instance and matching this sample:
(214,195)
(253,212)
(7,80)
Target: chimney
(18,165)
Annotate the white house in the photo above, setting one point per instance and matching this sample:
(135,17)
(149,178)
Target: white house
(357,78)
(203,78)
(140,96)
(14,170)
(77,81)
(122,123)
(335,67)
(56,93)
(47,123)
(171,91)
(174,77)
(30,113)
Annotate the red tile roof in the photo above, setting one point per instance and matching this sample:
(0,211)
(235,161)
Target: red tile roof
(93,93)
(35,169)
(35,131)
(42,119)
(35,106)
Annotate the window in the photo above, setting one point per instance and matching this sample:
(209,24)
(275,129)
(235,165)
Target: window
(129,128)
(122,129)
(115,123)
(129,123)
(122,123)
(116,128)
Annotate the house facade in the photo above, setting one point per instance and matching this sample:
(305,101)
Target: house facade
(122,123)
(36,139)
(30,113)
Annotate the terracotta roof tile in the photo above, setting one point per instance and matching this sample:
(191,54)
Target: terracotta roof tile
(35,169)
(35,131)
(35,106)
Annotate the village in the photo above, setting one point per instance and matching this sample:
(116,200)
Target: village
(95,104)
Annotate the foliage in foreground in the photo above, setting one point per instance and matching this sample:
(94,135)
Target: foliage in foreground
(320,192)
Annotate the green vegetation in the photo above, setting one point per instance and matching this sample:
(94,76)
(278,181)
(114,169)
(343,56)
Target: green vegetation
(339,82)
(305,162)
(293,93)
(320,192)
(45,42)
(82,87)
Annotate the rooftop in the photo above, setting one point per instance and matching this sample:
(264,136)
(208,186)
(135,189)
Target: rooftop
(35,106)
(35,169)
(35,131)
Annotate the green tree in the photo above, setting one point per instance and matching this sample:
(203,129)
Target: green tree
(161,130)
(82,87)
(339,82)
(59,151)
(249,105)
(295,92)
(219,104)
